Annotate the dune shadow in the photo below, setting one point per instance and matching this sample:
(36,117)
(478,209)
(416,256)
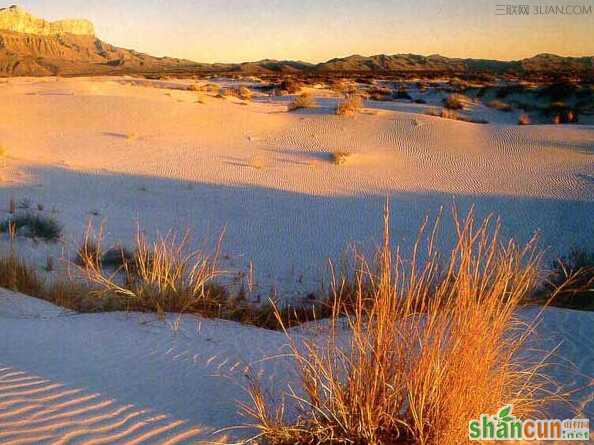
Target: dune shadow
(117,135)
(288,236)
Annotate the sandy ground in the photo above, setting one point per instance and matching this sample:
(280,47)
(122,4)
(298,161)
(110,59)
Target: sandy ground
(120,153)
(131,379)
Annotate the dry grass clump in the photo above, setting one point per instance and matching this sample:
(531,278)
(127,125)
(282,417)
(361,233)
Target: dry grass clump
(17,275)
(455,101)
(499,105)
(339,157)
(524,119)
(304,100)
(163,276)
(349,105)
(433,347)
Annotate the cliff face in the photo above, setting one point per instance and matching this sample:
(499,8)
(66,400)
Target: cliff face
(35,47)
(18,20)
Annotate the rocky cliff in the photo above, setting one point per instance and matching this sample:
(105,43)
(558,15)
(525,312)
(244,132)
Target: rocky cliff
(35,47)
(16,19)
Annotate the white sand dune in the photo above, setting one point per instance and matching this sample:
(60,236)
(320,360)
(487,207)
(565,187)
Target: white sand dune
(132,379)
(126,152)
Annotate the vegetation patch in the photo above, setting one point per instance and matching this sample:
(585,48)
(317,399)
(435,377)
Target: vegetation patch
(407,360)
(304,100)
(349,105)
(32,225)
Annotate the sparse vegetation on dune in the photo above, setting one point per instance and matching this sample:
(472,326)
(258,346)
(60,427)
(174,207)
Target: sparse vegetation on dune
(416,352)
(570,283)
(524,119)
(339,157)
(33,225)
(349,105)
(290,86)
(456,101)
(499,105)
(17,275)
(453,115)
(304,100)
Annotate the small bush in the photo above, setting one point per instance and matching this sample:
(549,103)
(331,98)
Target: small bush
(339,157)
(33,225)
(524,119)
(402,94)
(499,105)
(304,100)
(349,105)
(290,86)
(455,101)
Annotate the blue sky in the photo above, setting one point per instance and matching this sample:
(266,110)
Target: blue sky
(316,30)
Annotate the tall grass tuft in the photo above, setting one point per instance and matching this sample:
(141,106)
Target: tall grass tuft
(349,105)
(160,276)
(418,350)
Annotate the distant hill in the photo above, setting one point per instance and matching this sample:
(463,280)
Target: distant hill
(30,46)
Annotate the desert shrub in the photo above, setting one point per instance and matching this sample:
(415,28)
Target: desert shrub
(449,114)
(434,347)
(561,113)
(349,105)
(524,119)
(455,101)
(33,225)
(570,283)
(402,94)
(453,115)
(304,100)
(244,93)
(499,105)
(290,86)
(241,92)
(339,157)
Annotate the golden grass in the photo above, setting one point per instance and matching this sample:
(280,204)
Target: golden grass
(456,101)
(17,275)
(349,105)
(304,100)
(162,276)
(418,352)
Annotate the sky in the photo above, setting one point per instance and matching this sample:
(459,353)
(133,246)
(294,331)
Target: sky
(318,30)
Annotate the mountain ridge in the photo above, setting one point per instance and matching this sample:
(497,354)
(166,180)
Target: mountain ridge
(30,46)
